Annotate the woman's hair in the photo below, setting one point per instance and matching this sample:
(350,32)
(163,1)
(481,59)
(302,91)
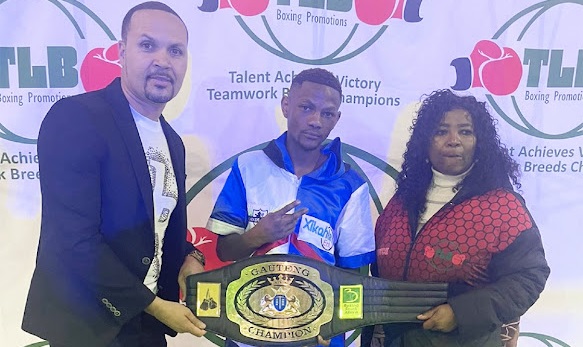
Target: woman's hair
(493,167)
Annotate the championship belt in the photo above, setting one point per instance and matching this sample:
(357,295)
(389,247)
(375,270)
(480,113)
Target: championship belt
(288,300)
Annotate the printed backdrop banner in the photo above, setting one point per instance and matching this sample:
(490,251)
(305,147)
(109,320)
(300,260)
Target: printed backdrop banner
(524,57)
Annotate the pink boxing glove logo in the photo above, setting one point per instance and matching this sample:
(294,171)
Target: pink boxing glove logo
(100,67)
(206,241)
(243,7)
(497,69)
(376,12)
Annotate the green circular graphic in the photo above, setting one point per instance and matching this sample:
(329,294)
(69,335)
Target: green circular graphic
(546,339)
(38,344)
(284,53)
(526,127)
(5,133)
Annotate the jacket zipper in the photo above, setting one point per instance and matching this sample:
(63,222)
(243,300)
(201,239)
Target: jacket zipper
(414,235)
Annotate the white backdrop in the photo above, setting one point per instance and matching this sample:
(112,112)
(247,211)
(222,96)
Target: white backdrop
(524,57)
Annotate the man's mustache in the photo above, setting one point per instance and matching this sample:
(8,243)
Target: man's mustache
(161,75)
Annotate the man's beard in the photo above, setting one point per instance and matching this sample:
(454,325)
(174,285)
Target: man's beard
(163,95)
(155,94)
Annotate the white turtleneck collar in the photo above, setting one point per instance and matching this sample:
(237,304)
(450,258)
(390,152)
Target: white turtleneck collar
(443,180)
(440,193)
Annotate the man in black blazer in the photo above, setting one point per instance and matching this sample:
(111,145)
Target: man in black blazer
(113,253)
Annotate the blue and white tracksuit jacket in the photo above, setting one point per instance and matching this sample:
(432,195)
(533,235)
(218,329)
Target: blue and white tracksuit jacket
(338,226)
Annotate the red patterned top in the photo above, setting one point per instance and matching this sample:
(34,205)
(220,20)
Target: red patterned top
(456,244)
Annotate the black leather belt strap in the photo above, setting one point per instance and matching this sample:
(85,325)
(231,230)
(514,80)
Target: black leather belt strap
(285,300)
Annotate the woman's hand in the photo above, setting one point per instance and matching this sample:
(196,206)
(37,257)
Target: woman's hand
(440,318)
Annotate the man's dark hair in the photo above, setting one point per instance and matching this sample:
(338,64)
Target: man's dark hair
(493,167)
(148,5)
(319,76)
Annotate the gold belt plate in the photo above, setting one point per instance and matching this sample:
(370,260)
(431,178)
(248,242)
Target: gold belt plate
(280,301)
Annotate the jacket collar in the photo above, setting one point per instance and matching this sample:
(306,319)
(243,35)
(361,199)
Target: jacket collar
(332,167)
(129,132)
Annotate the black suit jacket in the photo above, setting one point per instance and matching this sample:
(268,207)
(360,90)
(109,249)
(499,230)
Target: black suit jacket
(97,231)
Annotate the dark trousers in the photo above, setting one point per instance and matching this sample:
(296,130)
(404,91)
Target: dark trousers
(142,331)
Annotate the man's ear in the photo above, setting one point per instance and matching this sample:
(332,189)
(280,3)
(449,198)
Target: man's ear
(284,105)
(121,48)
(337,119)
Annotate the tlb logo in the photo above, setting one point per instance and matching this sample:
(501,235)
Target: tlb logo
(99,67)
(36,72)
(60,71)
(281,21)
(537,71)
(497,69)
